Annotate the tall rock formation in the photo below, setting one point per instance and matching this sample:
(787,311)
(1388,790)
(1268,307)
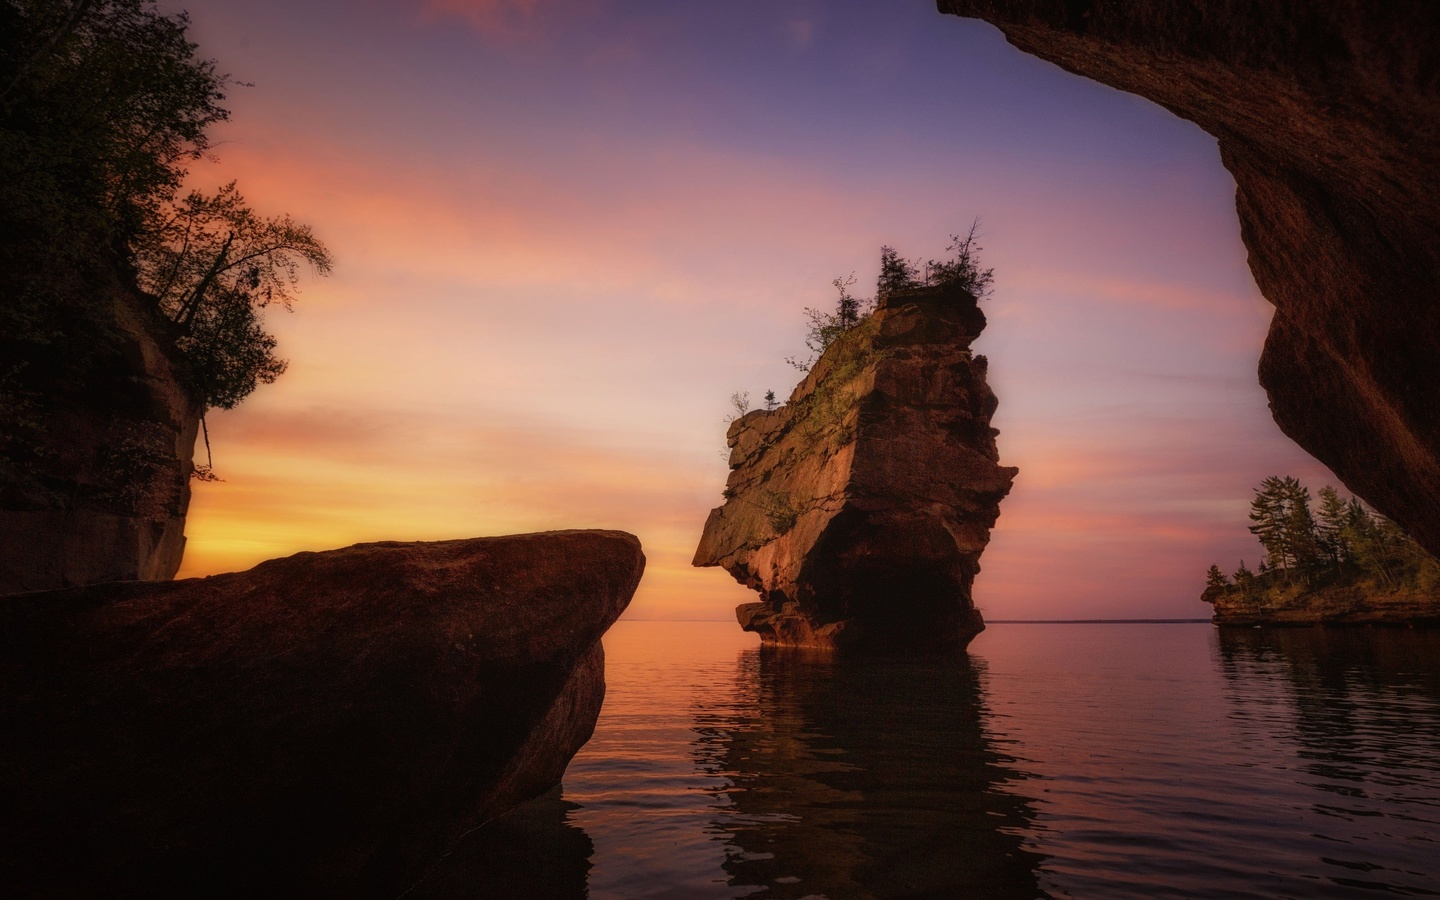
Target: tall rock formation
(1328,116)
(859,509)
(97,433)
(325,725)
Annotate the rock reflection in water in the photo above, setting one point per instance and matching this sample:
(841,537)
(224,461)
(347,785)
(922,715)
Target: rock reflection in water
(863,778)
(532,852)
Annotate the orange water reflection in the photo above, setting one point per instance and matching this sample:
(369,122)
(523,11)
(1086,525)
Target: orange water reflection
(1116,761)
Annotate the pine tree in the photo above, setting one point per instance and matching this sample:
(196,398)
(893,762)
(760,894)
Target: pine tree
(1330,529)
(847,307)
(1245,581)
(1367,543)
(770,400)
(1301,542)
(896,273)
(1268,513)
(1215,579)
(1286,528)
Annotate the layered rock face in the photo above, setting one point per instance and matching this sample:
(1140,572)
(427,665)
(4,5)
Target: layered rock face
(859,509)
(325,725)
(1328,116)
(96,458)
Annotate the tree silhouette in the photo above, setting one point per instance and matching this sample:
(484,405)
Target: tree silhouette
(212,263)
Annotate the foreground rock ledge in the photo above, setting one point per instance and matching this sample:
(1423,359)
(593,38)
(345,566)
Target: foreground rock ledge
(859,509)
(1328,116)
(325,725)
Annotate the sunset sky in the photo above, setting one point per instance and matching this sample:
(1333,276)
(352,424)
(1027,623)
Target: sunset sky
(566,231)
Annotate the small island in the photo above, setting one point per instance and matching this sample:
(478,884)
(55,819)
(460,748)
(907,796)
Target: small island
(1338,564)
(859,509)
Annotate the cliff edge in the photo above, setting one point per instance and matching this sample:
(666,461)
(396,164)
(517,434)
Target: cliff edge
(1328,116)
(859,509)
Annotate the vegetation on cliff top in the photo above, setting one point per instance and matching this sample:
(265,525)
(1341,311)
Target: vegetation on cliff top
(827,403)
(897,274)
(1340,543)
(821,413)
(103,106)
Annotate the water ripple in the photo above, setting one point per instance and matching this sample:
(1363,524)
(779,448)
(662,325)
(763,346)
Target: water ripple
(1057,761)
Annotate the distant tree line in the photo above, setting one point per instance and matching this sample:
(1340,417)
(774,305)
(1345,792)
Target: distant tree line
(104,104)
(1339,541)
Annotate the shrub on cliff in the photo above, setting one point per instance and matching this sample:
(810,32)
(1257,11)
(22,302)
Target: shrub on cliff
(826,327)
(961,269)
(963,266)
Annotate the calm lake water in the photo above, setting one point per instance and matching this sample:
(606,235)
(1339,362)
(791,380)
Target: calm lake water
(1088,761)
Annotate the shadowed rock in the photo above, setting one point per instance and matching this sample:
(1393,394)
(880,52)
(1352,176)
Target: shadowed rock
(860,508)
(95,466)
(1328,116)
(325,725)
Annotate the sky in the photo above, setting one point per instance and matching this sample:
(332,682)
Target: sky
(565,232)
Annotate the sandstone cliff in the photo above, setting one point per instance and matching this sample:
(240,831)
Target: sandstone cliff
(1328,116)
(859,509)
(325,725)
(98,436)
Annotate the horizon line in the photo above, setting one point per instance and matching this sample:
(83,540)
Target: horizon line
(1018,621)
(1098,622)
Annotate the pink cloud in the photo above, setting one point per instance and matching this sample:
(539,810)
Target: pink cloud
(507,19)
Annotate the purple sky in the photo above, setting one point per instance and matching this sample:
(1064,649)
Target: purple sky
(566,232)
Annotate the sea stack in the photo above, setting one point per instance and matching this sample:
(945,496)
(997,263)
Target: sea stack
(859,509)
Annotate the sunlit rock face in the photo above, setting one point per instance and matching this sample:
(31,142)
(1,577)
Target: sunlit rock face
(324,725)
(95,458)
(1328,116)
(859,509)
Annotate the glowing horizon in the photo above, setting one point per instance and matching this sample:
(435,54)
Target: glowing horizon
(565,233)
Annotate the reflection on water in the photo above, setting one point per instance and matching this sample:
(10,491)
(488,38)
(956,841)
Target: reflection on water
(1065,761)
(862,778)
(532,852)
(1360,709)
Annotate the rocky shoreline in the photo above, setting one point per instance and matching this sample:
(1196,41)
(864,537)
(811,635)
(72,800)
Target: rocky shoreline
(1335,605)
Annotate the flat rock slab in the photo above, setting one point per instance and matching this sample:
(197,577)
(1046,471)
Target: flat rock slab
(324,725)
